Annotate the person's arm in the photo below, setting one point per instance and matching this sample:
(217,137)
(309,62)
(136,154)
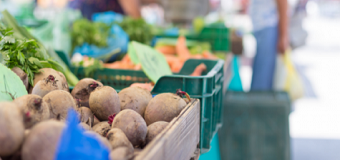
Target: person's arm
(131,7)
(283,41)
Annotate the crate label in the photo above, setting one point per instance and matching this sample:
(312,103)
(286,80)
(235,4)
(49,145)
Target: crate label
(153,63)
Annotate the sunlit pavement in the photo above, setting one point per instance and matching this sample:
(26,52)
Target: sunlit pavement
(315,120)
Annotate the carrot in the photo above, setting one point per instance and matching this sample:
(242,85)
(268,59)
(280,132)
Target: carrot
(167,50)
(197,56)
(170,59)
(199,70)
(177,66)
(126,58)
(138,67)
(114,65)
(182,50)
(208,55)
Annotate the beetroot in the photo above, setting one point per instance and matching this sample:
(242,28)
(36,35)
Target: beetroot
(154,129)
(45,86)
(121,153)
(100,138)
(59,102)
(60,79)
(133,126)
(95,121)
(42,141)
(23,76)
(117,139)
(104,101)
(134,98)
(11,128)
(102,128)
(83,90)
(35,108)
(86,116)
(164,107)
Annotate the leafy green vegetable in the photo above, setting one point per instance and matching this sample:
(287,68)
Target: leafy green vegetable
(23,53)
(11,85)
(89,69)
(138,30)
(97,65)
(200,47)
(95,33)
(48,54)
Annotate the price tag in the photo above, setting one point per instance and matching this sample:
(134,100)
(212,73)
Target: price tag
(153,63)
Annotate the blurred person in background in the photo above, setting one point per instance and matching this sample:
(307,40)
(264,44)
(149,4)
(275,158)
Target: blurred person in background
(88,7)
(270,26)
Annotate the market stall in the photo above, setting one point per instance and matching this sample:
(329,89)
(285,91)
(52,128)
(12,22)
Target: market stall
(112,87)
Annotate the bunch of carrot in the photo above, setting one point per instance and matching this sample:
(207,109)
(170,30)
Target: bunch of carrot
(175,56)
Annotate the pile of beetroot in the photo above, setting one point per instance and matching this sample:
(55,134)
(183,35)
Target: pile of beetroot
(125,122)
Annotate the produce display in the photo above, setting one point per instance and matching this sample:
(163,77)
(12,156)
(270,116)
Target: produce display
(37,106)
(128,120)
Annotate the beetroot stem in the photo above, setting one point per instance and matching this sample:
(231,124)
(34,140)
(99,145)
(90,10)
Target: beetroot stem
(111,118)
(182,93)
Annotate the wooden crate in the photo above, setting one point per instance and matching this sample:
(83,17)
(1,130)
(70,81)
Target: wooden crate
(179,140)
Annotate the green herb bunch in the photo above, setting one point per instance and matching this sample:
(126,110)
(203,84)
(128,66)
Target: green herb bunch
(23,53)
(93,33)
(137,29)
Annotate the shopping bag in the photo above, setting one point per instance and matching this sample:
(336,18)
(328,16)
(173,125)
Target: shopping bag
(75,145)
(286,77)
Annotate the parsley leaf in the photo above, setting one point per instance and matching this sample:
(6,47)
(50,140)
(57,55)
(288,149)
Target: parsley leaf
(23,53)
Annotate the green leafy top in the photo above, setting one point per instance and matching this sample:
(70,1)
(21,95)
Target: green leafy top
(138,30)
(95,33)
(23,53)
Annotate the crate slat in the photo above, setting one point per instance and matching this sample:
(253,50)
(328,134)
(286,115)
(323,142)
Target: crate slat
(179,140)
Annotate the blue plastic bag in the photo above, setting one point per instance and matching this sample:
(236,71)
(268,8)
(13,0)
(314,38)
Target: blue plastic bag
(76,145)
(107,17)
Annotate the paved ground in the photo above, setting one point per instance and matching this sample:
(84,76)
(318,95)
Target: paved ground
(315,121)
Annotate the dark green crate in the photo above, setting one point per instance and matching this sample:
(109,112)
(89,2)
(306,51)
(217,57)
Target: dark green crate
(255,126)
(216,34)
(207,88)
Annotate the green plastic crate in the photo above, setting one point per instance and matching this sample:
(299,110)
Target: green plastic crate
(255,126)
(216,34)
(207,88)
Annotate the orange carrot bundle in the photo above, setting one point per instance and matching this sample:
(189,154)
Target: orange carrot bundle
(199,70)
(167,50)
(182,49)
(175,57)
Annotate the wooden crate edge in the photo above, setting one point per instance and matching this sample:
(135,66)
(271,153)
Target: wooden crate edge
(157,149)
